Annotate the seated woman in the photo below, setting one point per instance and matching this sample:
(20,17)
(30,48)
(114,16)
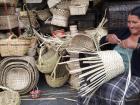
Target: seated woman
(111,93)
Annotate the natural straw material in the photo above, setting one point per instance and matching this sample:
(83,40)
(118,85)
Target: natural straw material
(14,46)
(9,97)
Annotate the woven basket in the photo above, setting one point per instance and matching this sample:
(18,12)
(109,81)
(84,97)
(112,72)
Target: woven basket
(11,2)
(58,77)
(7,11)
(52,3)
(98,68)
(60,17)
(81,42)
(78,9)
(9,97)
(46,62)
(43,14)
(8,22)
(14,47)
(11,66)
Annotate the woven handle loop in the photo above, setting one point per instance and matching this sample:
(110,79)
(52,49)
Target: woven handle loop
(5,88)
(12,36)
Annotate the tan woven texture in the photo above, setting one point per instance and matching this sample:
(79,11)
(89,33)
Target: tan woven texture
(9,97)
(47,61)
(82,42)
(58,77)
(60,17)
(19,73)
(8,22)
(14,47)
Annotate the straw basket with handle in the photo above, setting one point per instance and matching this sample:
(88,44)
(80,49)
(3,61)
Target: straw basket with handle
(58,77)
(9,97)
(46,62)
(14,46)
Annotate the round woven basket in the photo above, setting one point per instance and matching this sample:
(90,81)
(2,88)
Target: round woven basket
(57,78)
(81,42)
(9,97)
(21,83)
(47,61)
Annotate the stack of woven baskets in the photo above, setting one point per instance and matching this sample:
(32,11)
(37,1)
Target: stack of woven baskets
(8,19)
(19,73)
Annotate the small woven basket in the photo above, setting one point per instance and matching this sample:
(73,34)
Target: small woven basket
(78,9)
(52,3)
(9,97)
(14,47)
(46,62)
(60,17)
(8,22)
(58,77)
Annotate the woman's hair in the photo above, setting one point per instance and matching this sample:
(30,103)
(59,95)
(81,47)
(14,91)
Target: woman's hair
(135,11)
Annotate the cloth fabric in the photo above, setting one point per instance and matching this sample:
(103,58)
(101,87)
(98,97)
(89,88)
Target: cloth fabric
(125,53)
(111,92)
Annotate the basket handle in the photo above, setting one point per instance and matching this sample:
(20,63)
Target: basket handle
(53,74)
(12,36)
(5,88)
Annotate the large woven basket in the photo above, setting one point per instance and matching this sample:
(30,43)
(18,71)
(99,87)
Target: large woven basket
(47,61)
(19,73)
(97,68)
(14,47)
(58,77)
(60,17)
(9,97)
(8,22)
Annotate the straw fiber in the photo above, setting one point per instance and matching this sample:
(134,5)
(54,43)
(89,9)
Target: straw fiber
(19,73)
(9,97)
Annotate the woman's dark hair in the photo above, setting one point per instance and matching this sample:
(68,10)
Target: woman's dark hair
(135,11)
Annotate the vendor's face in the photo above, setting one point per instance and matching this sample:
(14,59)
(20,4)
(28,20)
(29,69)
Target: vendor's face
(134,24)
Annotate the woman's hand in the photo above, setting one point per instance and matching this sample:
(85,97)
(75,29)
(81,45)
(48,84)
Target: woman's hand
(113,39)
(128,43)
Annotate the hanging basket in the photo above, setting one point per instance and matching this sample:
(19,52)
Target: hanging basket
(47,61)
(58,77)
(8,22)
(14,47)
(9,97)
(60,17)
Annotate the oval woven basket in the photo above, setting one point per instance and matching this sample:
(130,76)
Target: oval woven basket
(22,84)
(48,60)
(9,97)
(59,78)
